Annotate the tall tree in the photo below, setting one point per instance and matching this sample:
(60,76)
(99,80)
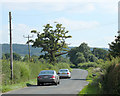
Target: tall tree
(81,54)
(115,46)
(85,49)
(80,58)
(100,53)
(52,41)
(26,57)
(15,56)
(72,55)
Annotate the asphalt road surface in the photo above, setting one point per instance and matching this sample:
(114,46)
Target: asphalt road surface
(66,86)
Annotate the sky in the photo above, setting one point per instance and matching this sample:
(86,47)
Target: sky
(94,22)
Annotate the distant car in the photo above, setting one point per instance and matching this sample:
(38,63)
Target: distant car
(64,73)
(48,76)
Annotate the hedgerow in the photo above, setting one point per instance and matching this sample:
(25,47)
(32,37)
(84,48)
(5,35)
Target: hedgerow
(23,71)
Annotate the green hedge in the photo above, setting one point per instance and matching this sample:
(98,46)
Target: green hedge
(23,71)
(87,65)
(111,80)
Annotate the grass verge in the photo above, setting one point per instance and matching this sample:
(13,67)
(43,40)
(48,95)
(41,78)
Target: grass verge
(93,87)
(7,88)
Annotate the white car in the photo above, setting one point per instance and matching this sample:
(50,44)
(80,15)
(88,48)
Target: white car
(64,73)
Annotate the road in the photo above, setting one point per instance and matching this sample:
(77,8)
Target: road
(66,86)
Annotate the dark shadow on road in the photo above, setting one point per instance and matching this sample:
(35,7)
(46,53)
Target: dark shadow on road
(80,79)
(64,78)
(30,85)
(46,84)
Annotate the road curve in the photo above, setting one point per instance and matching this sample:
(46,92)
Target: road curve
(66,86)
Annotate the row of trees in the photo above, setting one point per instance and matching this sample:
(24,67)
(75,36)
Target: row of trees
(33,58)
(115,46)
(52,42)
(83,54)
(15,56)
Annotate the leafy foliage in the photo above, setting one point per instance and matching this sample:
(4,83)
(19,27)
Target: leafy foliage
(81,54)
(24,71)
(112,70)
(87,65)
(26,58)
(62,59)
(115,47)
(52,41)
(15,56)
(100,53)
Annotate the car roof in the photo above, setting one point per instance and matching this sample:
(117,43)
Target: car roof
(47,70)
(63,69)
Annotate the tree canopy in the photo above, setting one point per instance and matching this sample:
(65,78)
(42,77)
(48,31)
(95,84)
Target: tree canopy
(115,46)
(100,53)
(81,54)
(52,41)
(15,56)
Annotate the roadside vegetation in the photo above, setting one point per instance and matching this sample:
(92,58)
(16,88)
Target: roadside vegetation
(103,66)
(107,79)
(24,71)
(104,76)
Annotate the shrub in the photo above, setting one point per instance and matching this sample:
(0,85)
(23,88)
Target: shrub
(23,71)
(87,65)
(111,81)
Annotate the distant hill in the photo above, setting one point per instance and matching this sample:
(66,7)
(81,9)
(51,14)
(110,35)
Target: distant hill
(22,49)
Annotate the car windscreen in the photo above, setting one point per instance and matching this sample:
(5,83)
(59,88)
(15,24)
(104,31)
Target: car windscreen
(63,70)
(47,72)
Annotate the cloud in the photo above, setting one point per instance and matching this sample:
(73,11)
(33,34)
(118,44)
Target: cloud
(17,33)
(72,6)
(5,34)
(109,7)
(76,25)
(81,8)
(109,39)
(0,36)
(50,7)
(60,1)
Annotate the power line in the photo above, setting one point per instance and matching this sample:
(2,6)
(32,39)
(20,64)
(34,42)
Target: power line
(28,44)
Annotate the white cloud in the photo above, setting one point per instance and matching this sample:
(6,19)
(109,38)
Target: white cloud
(0,36)
(4,34)
(109,39)
(111,7)
(72,6)
(50,7)
(81,8)
(17,33)
(76,25)
(60,1)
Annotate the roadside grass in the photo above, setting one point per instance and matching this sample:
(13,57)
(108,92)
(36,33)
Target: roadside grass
(93,87)
(6,88)
(24,72)
(89,89)
(107,79)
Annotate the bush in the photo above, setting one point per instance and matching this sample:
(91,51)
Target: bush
(23,71)
(111,81)
(5,72)
(87,65)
